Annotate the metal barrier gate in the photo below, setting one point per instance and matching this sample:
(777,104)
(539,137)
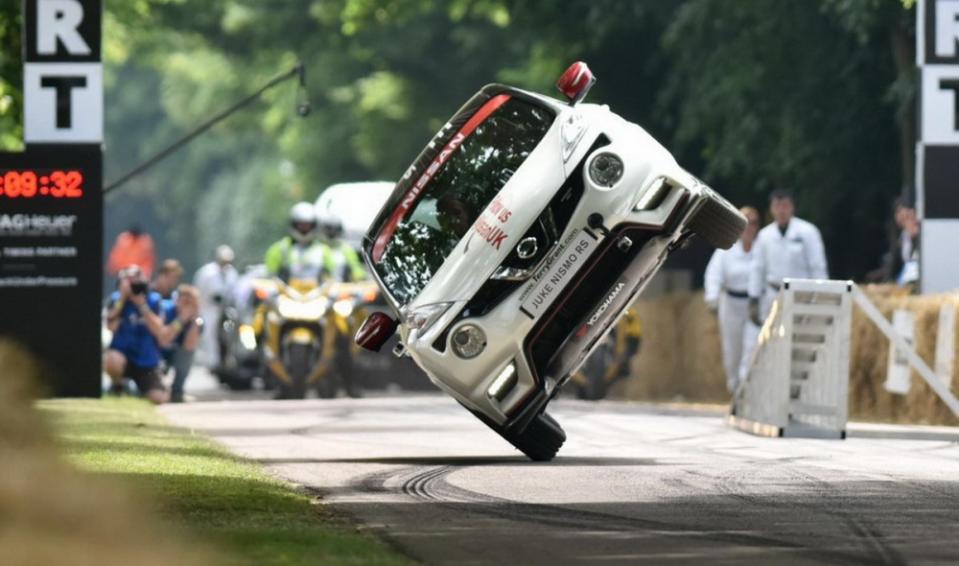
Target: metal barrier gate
(798,381)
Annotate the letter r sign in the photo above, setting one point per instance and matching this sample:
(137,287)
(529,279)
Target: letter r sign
(62,75)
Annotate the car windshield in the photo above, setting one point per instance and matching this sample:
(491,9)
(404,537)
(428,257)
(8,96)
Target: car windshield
(423,234)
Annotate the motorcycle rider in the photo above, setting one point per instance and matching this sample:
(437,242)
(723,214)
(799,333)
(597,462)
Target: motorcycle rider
(299,254)
(342,263)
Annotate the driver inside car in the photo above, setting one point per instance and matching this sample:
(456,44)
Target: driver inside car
(454,214)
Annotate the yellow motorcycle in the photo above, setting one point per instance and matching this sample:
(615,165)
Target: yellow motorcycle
(296,338)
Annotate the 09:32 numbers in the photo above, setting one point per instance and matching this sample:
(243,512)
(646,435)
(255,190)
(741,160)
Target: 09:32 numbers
(27,184)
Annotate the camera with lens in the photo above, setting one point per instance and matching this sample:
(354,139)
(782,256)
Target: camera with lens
(138,287)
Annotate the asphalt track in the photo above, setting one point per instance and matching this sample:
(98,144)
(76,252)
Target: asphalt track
(633,484)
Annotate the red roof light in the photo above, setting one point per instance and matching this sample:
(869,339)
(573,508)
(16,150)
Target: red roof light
(576,82)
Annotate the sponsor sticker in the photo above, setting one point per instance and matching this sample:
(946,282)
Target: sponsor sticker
(557,273)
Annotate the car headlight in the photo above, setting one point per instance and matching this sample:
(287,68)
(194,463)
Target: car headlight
(343,307)
(468,341)
(606,169)
(309,310)
(422,318)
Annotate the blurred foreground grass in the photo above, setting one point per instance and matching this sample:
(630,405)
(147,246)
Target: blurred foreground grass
(203,492)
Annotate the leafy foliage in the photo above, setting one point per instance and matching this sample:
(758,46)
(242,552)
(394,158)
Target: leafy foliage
(752,95)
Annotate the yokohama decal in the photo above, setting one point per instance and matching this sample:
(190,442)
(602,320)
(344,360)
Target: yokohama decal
(411,196)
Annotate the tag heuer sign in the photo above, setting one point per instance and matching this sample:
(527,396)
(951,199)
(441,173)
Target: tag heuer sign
(51,199)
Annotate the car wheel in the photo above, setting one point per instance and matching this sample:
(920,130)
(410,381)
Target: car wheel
(718,222)
(540,440)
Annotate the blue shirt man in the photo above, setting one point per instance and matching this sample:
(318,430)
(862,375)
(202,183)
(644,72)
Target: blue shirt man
(134,318)
(133,338)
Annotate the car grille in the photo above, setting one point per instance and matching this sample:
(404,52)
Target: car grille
(560,209)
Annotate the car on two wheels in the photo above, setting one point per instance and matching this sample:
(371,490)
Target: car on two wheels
(518,238)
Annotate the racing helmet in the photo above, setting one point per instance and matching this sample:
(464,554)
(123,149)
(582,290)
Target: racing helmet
(303,222)
(330,225)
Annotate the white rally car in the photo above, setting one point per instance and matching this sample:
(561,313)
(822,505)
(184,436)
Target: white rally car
(518,237)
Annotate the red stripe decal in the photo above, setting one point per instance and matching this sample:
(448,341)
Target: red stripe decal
(413,194)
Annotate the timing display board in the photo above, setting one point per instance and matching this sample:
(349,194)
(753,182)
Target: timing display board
(51,234)
(937,171)
(51,199)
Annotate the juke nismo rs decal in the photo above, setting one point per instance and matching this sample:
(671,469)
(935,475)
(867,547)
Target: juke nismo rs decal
(557,273)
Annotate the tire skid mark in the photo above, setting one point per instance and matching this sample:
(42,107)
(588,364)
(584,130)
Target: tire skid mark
(430,484)
(867,534)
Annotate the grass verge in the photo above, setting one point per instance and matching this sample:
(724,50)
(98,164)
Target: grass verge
(203,492)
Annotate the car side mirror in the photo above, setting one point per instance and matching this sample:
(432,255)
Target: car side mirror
(376,330)
(576,82)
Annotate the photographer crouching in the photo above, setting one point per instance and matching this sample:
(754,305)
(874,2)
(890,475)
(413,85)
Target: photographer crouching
(134,315)
(180,316)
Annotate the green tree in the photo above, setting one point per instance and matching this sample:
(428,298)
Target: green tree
(11,78)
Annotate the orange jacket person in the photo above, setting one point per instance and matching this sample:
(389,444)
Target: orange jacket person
(133,247)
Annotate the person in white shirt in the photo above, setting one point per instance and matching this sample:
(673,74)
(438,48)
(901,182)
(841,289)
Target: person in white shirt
(726,282)
(215,282)
(787,247)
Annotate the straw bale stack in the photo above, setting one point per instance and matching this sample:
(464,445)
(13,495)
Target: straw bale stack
(680,358)
(869,358)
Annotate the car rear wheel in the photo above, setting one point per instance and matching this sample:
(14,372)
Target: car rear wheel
(718,222)
(540,440)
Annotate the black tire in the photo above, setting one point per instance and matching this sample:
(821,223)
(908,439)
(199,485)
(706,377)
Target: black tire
(718,222)
(298,369)
(540,440)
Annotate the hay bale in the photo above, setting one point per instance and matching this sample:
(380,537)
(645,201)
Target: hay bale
(869,357)
(680,357)
(52,514)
